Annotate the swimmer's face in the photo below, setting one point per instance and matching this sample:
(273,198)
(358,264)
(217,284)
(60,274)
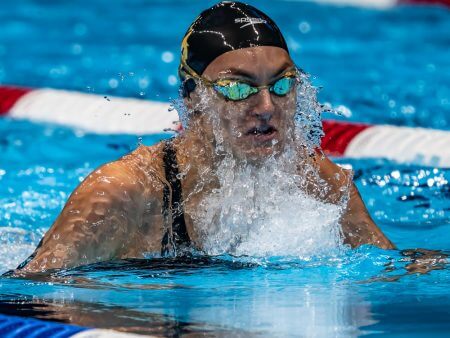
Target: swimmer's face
(261,124)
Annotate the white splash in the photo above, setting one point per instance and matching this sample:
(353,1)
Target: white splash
(263,210)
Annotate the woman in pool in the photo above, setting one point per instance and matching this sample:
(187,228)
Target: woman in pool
(240,92)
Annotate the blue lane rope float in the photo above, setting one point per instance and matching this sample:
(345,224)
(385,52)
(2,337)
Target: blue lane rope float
(18,327)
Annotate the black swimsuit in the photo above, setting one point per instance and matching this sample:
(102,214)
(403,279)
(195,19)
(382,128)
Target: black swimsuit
(180,237)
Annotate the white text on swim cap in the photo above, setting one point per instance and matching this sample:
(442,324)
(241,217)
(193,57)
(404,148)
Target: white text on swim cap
(249,21)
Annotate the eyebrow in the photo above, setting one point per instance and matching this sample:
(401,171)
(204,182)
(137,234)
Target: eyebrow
(287,66)
(232,71)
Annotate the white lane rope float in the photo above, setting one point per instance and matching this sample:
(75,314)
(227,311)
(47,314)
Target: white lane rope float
(118,115)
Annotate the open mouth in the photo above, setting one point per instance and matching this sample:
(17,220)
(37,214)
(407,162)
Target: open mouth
(261,130)
(262,134)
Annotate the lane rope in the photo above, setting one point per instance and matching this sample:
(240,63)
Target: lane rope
(117,115)
(19,327)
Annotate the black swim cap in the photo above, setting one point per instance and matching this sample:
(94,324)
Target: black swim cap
(224,27)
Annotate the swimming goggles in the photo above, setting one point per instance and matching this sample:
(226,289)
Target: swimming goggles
(236,90)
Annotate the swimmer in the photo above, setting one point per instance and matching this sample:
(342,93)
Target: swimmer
(239,89)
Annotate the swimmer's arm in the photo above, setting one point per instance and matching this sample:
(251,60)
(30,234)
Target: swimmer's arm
(99,219)
(357,226)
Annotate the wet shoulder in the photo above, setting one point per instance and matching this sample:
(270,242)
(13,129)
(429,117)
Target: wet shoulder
(146,164)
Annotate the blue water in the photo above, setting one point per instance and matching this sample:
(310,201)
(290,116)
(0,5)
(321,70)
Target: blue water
(388,66)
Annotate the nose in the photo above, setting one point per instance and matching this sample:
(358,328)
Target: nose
(264,107)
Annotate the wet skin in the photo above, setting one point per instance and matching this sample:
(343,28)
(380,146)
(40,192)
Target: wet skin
(257,126)
(116,211)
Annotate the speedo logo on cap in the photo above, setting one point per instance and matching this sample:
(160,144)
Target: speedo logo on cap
(249,21)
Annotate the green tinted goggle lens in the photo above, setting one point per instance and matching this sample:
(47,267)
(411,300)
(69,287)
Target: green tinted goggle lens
(235,90)
(282,86)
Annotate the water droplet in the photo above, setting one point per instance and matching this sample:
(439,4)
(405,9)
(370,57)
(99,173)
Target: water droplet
(167,57)
(113,83)
(172,80)
(395,174)
(304,27)
(408,110)
(343,111)
(77,49)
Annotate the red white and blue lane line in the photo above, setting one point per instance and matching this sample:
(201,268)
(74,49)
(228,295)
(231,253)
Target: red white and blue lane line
(118,115)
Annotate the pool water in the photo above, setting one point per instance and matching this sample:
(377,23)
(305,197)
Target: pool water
(389,66)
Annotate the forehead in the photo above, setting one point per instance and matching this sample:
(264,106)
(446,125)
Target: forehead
(257,62)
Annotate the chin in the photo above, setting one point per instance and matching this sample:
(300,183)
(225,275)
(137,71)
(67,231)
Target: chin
(255,155)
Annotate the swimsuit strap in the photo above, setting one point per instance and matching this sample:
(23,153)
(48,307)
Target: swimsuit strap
(180,236)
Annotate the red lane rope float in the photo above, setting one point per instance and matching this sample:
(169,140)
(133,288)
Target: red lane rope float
(425,2)
(118,115)
(338,135)
(9,96)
